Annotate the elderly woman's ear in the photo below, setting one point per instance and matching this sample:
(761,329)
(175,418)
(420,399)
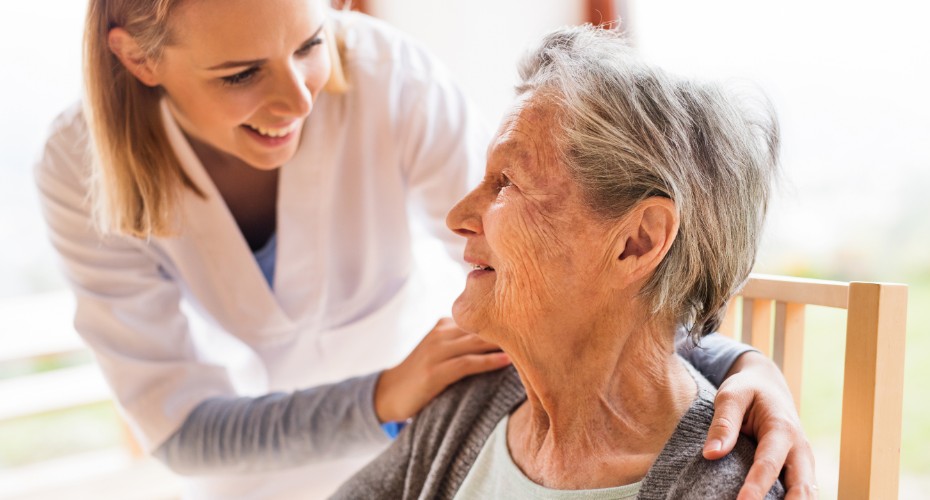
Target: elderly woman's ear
(649,230)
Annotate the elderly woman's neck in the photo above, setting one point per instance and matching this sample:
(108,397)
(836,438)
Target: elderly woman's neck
(600,406)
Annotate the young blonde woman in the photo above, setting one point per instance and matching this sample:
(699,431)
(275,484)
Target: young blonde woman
(257,165)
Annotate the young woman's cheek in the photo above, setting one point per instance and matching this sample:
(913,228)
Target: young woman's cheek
(238,105)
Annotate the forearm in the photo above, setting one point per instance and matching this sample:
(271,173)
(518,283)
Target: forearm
(277,430)
(715,357)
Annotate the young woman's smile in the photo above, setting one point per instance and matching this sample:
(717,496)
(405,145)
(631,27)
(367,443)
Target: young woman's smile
(273,137)
(242,76)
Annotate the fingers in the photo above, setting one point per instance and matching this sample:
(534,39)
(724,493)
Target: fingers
(730,407)
(800,479)
(808,491)
(447,340)
(459,354)
(756,398)
(446,355)
(766,465)
(460,367)
(469,344)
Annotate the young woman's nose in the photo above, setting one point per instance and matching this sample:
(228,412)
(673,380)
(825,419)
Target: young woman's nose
(292,96)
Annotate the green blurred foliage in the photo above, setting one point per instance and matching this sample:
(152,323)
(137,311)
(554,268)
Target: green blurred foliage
(57,434)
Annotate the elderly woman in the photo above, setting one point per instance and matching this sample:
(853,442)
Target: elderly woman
(620,205)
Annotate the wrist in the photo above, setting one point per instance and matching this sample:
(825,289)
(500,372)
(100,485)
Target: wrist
(383,397)
(750,360)
(759,367)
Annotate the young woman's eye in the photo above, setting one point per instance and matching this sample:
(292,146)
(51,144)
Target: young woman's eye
(307,47)
(241,78)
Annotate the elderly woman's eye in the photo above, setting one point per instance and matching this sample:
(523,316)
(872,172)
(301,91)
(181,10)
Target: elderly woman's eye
(503,182)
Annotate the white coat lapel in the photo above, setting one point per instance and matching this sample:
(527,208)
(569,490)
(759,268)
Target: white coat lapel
(304,216)
(213,256)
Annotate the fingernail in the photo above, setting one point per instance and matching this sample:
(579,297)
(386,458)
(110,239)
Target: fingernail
(713,445)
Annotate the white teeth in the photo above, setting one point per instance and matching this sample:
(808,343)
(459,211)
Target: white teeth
(274,132)
(479,267)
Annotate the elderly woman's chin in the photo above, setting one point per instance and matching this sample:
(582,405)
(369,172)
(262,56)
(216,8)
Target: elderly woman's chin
(470,310)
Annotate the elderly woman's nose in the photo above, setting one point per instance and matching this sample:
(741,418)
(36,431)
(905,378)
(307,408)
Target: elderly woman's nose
(464,219)
(292,97)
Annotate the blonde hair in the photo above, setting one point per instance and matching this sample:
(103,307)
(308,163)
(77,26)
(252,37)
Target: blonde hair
(137,178)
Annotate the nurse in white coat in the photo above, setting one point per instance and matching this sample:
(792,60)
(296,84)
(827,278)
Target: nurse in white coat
(257,164)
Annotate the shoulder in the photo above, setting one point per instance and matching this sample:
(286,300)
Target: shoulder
(396,85)
(454,428)
(432,455)
(466,401)
(69,128)
(681,471)
(388,70)
(722,478)
(370,45)
(67,145)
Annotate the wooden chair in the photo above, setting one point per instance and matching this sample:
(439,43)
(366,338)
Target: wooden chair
(870,436)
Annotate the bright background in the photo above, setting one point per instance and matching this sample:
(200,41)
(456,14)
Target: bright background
(848,79)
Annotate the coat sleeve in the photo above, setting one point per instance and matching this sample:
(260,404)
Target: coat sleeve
(129,314)
(713,356)
(127,311)
(243,434)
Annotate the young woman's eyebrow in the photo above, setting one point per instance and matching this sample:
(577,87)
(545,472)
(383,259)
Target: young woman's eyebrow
(256,62)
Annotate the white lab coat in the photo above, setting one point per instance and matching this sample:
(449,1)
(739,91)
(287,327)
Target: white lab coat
(347,299)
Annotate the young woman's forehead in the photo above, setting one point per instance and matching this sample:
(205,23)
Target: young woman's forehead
(244,25)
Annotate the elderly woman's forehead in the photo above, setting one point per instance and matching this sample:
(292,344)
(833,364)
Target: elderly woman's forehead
(533,109)
(528,126)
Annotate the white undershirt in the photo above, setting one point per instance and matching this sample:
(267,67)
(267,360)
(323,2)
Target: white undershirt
(494,475)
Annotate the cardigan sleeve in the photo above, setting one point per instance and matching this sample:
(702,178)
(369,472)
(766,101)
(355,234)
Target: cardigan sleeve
(387,475)
(128,311)
(432,455)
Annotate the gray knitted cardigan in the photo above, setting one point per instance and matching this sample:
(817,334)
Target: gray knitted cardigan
(433,454)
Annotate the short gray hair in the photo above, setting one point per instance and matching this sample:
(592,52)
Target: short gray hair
(630,131)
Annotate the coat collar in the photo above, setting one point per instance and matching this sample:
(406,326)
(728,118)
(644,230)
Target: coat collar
(213,256)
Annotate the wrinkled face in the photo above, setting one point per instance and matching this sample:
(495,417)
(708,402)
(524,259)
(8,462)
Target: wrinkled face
(537,251)
(242,75)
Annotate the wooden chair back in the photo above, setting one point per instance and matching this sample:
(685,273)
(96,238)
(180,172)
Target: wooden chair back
(772,312)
